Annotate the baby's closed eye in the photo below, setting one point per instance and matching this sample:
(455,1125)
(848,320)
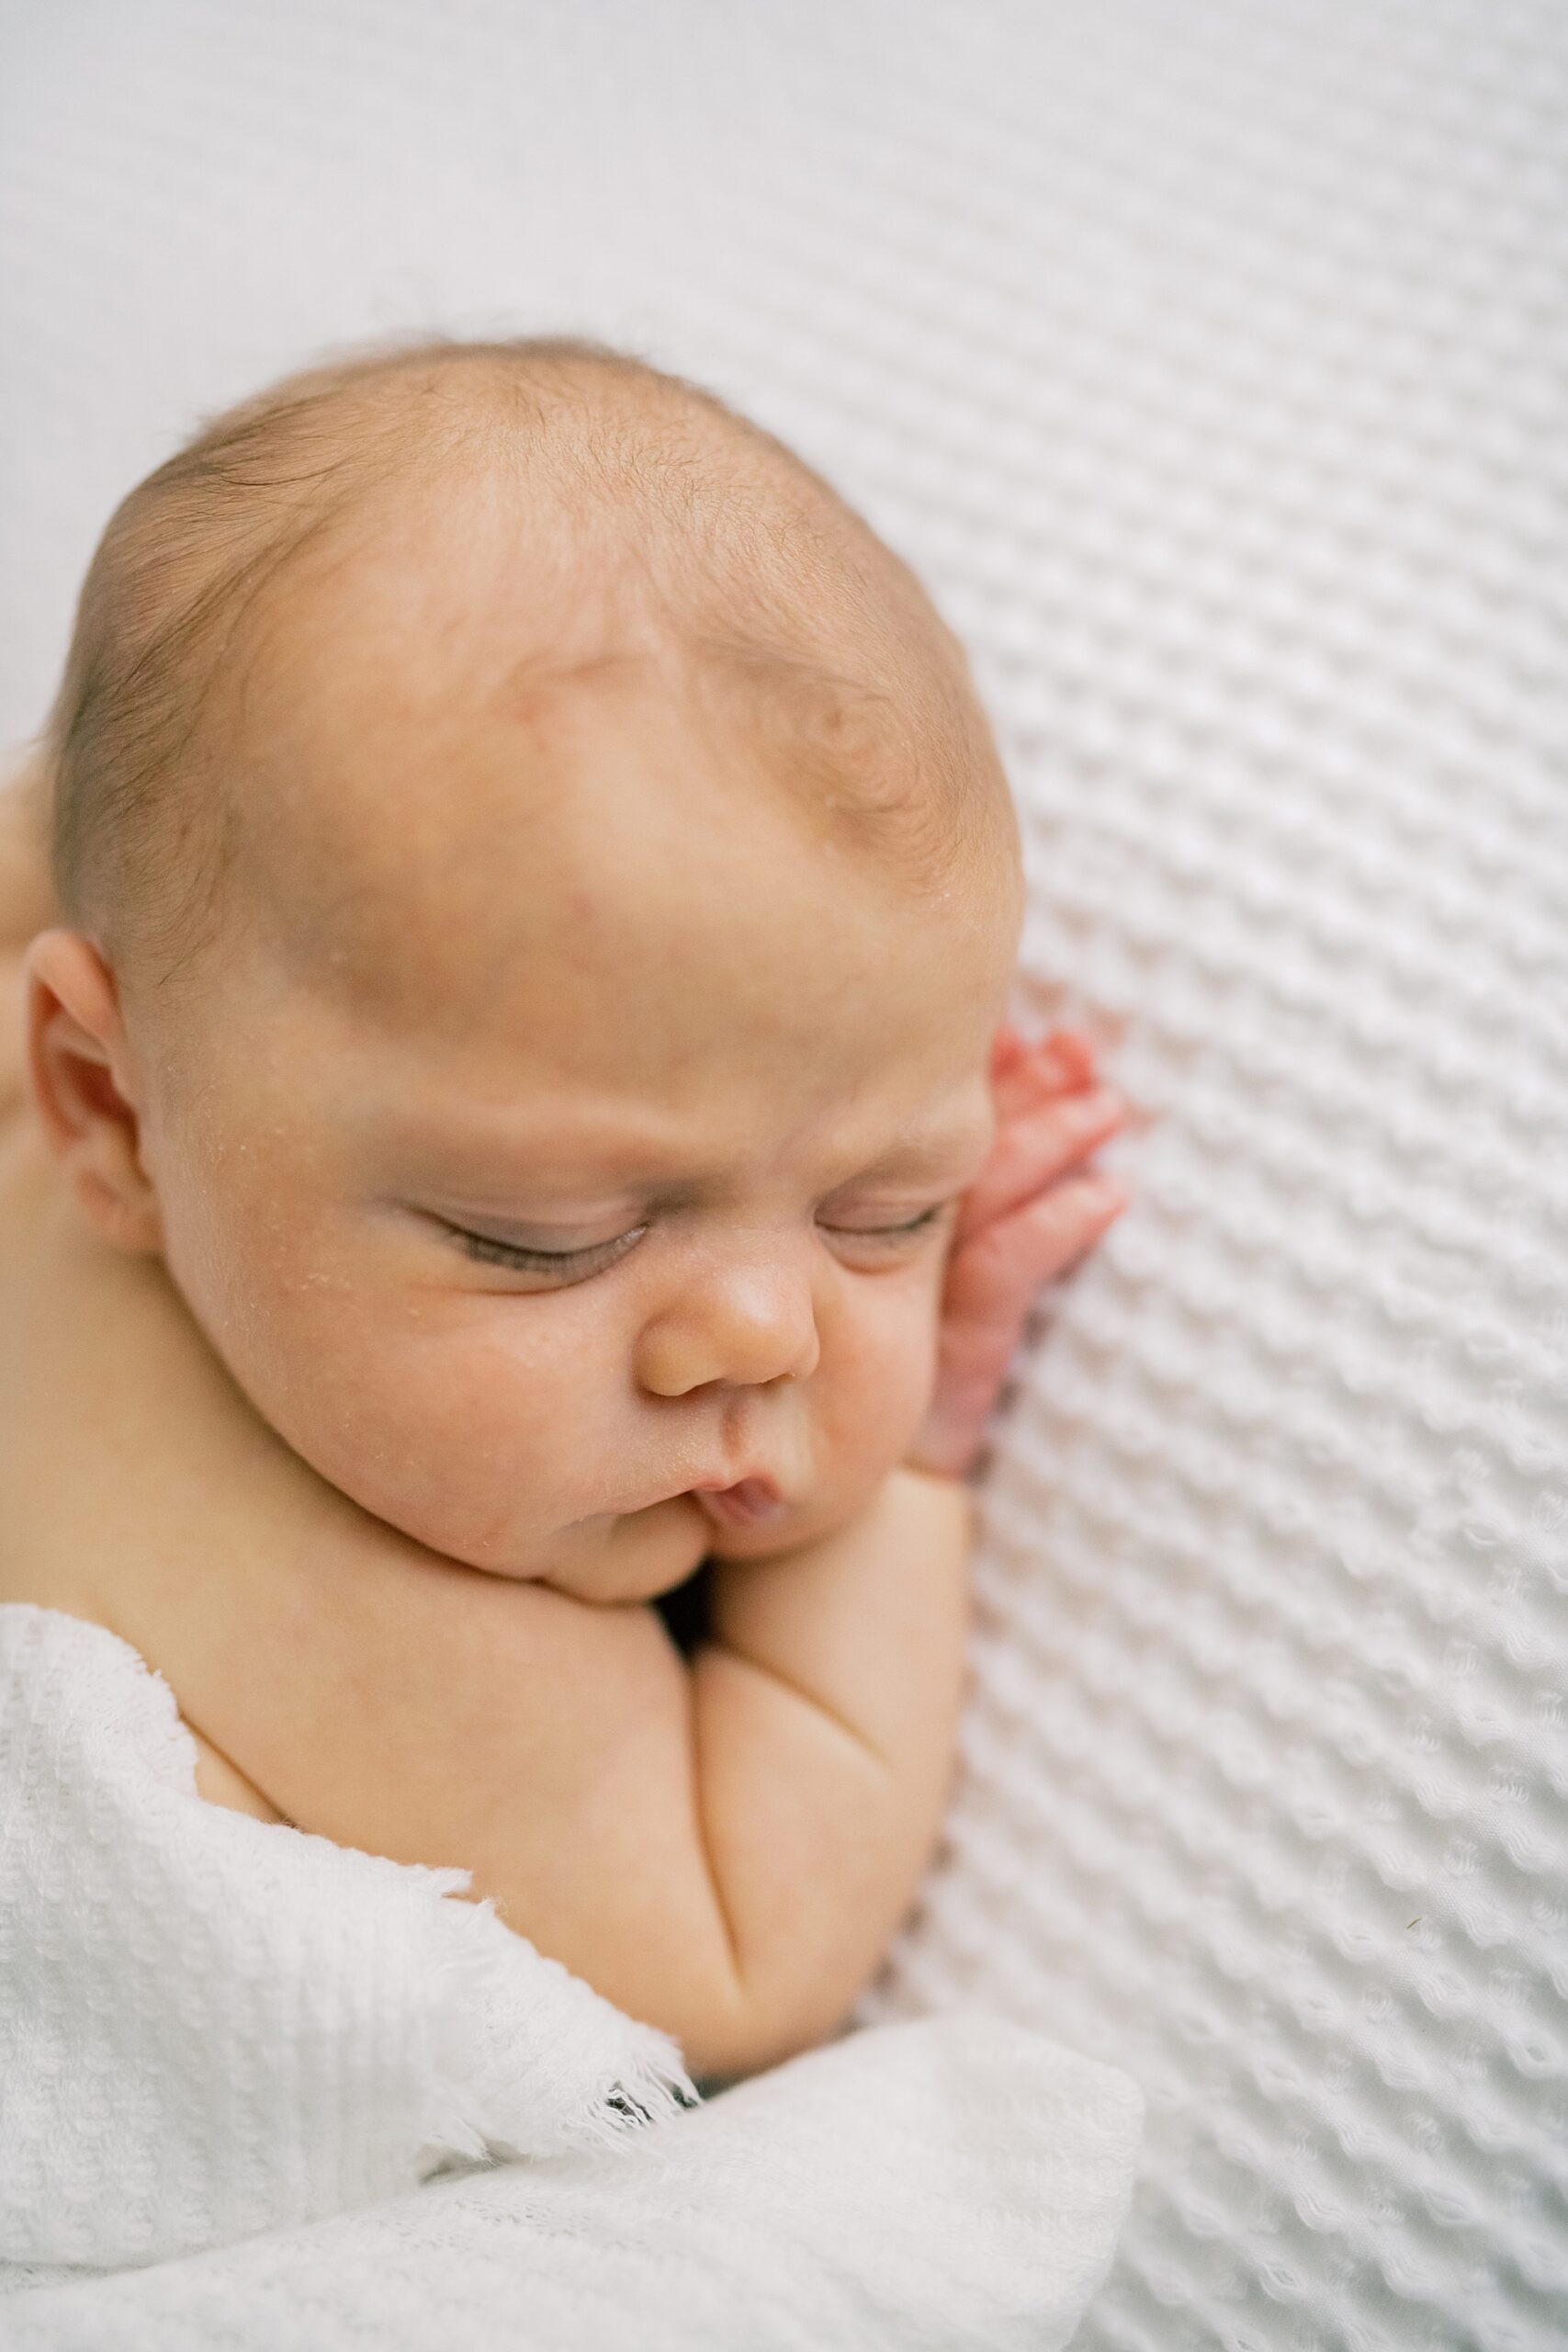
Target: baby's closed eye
(560,1267)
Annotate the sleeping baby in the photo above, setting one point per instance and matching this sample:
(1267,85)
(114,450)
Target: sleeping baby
(517,1193)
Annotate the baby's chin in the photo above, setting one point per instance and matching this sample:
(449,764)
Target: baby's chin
(636,1555)
(609,1556)
(643,1555)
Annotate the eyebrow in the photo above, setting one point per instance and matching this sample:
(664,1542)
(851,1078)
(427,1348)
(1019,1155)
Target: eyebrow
(934,1150)
(584,1158)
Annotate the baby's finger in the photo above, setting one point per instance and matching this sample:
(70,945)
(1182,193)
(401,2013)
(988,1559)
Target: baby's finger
(991,1289)
(1004,1266)
(1035,1150)
(1011,1080)
(1008,1049)
(1026,1076)
(1070,1055)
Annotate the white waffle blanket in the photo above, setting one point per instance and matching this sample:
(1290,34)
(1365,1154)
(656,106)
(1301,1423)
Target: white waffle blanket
(213,2027)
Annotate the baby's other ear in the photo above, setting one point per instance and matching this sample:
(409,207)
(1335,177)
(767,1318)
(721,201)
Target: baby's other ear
(80,1068)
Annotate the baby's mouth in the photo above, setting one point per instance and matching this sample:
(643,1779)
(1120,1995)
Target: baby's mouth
(748,1503)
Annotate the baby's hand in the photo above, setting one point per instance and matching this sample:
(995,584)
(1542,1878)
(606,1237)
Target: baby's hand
(1032,1211)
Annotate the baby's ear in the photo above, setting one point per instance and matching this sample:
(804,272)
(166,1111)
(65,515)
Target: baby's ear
(80,1067)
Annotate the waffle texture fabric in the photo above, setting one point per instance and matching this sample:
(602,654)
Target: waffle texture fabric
(226,2047)
(211,2026)
(1211,364)
(953,2181)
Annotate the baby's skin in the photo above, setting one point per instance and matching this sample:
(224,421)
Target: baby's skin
(537,1197)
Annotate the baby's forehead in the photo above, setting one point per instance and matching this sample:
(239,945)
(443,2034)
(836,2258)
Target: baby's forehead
(596,829)
(640,945)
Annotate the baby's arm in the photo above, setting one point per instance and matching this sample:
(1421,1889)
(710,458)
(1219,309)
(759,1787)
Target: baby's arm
(825,1707)
(826,1701)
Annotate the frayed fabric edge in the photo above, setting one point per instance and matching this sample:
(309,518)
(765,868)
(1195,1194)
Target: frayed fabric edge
(615,2077)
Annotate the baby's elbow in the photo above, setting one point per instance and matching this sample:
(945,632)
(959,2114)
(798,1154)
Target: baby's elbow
(748,2032)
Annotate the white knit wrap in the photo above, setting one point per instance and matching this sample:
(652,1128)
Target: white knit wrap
(211,2026)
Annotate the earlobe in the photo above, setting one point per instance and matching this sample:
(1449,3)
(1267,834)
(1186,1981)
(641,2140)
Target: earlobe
(80,1070)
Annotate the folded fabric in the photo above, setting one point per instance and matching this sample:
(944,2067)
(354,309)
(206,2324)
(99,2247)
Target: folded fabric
(211,2025)
(954,2183)
(219,2037)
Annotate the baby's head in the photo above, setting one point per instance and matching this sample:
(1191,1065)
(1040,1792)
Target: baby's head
(541,892)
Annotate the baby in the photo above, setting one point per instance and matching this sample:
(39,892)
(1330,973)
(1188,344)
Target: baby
(517,1106)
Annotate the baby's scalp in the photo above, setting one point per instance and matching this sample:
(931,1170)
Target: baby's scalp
(511,526)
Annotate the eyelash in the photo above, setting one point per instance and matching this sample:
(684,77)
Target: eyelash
(487,1253)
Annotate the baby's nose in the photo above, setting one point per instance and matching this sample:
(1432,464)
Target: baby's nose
(744,1325)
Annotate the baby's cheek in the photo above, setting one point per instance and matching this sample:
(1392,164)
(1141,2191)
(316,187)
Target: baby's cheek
(921,1359)
(896,1374)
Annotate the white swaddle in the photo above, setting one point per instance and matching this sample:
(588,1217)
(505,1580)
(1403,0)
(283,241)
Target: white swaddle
(216,2030)
(211,2025)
